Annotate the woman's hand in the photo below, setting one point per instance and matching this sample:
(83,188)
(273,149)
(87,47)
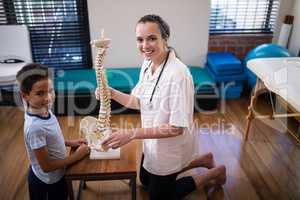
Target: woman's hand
(117,138)
(76,142)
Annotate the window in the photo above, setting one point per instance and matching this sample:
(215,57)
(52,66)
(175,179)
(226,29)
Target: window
(59,30)
(2,14)
(243,16)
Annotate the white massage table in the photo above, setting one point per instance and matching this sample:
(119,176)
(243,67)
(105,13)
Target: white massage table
(280,76)
(15,44)
(8,73)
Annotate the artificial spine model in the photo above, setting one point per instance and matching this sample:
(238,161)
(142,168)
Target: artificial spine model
(95,130)
(103,121)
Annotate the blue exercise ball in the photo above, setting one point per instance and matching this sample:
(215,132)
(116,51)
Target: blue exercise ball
(263,51)
(267,51)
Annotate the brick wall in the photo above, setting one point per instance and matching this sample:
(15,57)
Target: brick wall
(240,44)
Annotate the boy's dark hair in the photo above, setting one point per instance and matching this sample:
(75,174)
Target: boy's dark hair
(30,74)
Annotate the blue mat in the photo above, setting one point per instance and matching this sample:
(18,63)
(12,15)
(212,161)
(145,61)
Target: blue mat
(203,82)
(84,80)
(223,62)
(232,86)
(233,77)
(232,95)
(123,79)
(231,91)
(225,72)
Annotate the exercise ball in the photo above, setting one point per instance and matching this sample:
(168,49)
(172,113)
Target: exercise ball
(263,51)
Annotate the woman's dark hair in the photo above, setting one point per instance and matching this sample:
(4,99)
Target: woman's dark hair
(162,25)
(30,74)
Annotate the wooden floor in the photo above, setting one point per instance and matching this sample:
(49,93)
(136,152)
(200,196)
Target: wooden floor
(265,167)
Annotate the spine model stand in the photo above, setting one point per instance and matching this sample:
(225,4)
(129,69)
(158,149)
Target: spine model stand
(95,130)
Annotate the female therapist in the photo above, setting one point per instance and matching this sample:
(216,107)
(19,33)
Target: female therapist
(165,97)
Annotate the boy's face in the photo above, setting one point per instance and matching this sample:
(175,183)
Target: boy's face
(41,95)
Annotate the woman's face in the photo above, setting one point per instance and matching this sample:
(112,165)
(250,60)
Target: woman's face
(149,41)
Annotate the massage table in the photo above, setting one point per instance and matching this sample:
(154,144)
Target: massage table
(8,73)
(280,76)
(15,44)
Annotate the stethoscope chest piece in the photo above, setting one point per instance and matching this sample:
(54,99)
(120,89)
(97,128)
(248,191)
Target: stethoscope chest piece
(149,106)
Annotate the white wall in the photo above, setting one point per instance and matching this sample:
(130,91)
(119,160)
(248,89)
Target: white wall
(294,46)
(285,8)
(188,20)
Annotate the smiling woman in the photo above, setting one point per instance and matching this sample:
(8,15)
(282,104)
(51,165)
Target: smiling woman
(165,96)
(152,40)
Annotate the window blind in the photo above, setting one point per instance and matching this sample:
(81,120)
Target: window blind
(59,30)
(243,16)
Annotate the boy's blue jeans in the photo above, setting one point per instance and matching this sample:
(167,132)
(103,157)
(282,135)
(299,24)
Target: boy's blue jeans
(38,190)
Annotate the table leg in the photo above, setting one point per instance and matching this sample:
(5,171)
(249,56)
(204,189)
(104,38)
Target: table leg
(133,188)
(249,120)
(251,115)
(70,190)
(82,186)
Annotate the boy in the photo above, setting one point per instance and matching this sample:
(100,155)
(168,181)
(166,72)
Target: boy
(43,138)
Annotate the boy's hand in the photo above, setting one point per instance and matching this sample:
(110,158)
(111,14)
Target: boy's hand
(76,142)
(82,151)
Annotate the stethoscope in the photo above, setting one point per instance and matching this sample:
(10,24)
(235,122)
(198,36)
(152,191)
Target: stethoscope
(149,104)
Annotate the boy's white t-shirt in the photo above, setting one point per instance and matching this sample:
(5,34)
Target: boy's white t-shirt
(172,103)
(44,132)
